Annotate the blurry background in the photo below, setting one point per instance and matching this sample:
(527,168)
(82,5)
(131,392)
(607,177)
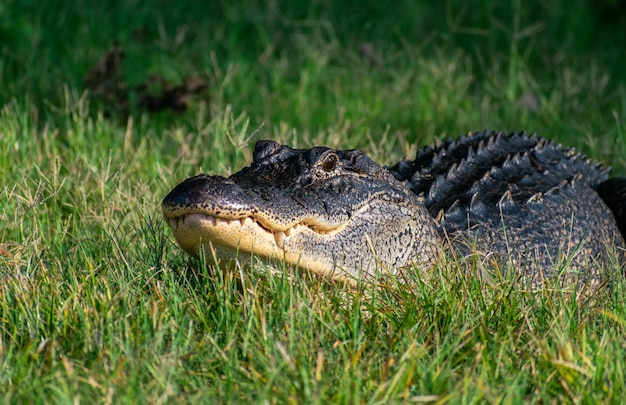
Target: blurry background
(423,68)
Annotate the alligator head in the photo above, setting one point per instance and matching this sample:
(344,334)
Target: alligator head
(336,213)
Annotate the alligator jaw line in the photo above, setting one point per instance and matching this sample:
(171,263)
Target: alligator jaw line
(176,222)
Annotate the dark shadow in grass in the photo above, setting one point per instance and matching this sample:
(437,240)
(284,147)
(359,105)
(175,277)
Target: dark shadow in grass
(105,82)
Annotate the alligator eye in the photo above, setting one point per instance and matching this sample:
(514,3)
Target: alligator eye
(329,163)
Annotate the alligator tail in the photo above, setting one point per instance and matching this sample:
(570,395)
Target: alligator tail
(613,192)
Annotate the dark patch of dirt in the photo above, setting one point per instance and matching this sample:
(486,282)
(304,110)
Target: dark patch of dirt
(105,82)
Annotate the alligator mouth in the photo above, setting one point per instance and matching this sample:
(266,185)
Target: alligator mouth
(208,222)
(248,235)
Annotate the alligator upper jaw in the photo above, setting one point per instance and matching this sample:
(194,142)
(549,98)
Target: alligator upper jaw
(221,199)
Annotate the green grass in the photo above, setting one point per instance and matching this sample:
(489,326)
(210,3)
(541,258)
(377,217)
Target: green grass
(98,305)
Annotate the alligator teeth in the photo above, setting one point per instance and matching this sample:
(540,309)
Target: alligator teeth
(212,220)
(279,237)
(287,231)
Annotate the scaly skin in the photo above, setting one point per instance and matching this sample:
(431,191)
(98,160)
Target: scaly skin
(336,213)
(510,198)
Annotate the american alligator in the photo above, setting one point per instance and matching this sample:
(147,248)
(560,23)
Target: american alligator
(513,200)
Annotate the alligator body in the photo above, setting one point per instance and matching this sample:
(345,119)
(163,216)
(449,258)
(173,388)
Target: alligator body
(511,199)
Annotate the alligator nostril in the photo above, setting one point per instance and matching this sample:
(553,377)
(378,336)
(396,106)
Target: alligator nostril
(189,189)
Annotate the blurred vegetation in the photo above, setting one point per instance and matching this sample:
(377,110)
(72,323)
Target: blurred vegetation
(46,46)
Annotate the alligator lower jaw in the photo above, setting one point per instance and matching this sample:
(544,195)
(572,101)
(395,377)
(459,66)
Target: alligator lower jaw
(243,236)
(194,228)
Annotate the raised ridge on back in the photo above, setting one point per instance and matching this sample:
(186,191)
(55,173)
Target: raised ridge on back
(489,164)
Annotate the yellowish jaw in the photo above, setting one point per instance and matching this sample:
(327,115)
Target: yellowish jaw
(245,236)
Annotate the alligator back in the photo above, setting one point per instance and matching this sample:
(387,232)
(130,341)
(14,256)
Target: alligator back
(520,197)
